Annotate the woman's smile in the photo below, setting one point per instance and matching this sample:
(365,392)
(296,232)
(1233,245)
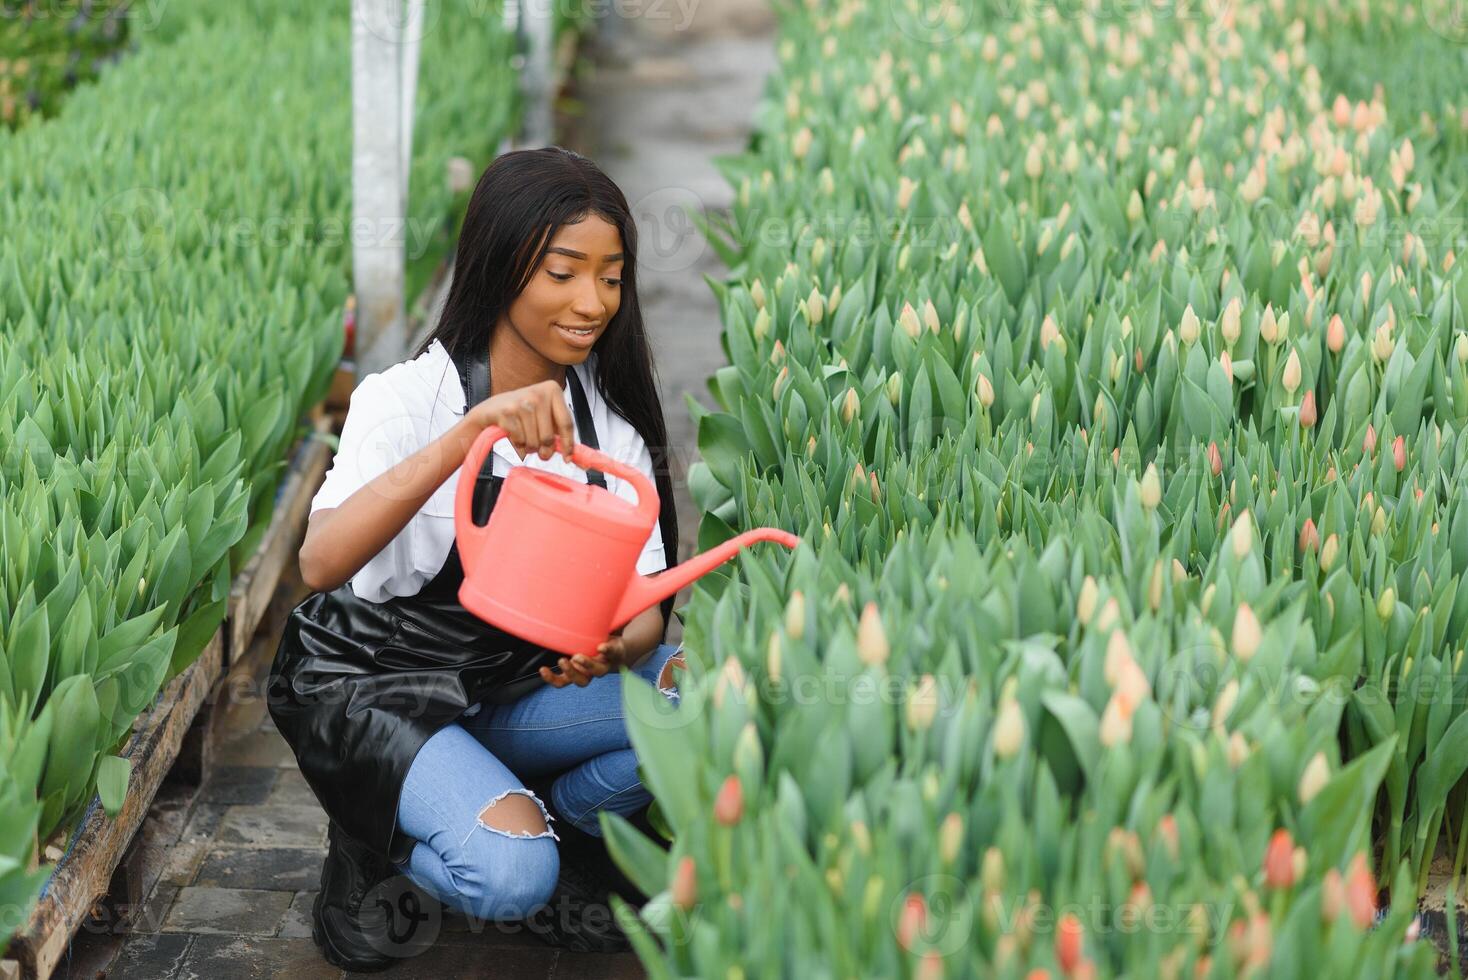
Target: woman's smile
(580,339)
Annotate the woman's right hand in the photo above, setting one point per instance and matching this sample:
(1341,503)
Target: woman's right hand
(532,417)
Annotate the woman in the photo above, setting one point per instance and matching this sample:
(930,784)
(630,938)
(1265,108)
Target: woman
(413,721)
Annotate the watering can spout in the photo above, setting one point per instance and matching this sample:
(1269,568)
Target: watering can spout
(646,592)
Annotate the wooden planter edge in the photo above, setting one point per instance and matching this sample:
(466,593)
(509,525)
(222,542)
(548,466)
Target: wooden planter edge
(250,593)
(84,872)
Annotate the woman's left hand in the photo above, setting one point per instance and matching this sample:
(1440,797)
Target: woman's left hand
(580,669)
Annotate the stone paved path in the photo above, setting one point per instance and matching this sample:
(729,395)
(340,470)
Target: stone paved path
(237,861)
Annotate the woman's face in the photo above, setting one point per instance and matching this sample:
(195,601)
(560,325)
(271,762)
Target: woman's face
(577,286)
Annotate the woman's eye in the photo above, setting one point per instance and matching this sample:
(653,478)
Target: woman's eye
(565,276)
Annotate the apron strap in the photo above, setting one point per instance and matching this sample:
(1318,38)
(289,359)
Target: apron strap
(476,383)
(585,426)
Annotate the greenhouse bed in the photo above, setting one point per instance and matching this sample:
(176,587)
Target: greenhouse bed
(169,737)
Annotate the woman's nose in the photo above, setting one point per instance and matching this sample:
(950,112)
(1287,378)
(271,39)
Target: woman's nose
(588,304)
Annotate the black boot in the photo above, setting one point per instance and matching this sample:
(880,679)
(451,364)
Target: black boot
(367,915)
(579,915)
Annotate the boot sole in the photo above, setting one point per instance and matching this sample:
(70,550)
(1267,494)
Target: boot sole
(330,952)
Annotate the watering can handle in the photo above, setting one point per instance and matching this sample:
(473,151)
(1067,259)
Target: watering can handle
(471,536)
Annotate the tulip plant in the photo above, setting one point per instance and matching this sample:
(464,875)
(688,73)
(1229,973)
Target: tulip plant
(171,287)
(1115,374)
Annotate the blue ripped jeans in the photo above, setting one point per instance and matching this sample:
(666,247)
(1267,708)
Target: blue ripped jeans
(465,767)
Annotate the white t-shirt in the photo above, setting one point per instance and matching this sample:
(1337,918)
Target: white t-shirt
(398,411)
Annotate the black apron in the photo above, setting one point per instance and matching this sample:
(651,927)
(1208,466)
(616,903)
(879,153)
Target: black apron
(357,687)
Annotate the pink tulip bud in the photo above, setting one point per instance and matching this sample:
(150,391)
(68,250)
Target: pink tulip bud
(1361,893)
(930,967)
(729,804)
(1307,410)
(1399,453)
(1068,937)
(1215,459)
(684,890)
(1335,334)
(910,925)
(1167,830)
(1279,865)
(1309,536)
(1332,895)
(1368,444)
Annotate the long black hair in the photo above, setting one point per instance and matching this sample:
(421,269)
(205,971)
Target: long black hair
(519,202)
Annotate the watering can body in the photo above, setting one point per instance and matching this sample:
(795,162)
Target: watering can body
(557,562)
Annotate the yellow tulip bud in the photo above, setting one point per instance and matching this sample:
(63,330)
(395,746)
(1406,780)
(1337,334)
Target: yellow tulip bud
(1229,326)
(908,319)
(1224,703)
(1241,537)
(815,307)
(871,639)
(1151,487)
(1189,328)
(1291,378)
(1009,729)
(985,391)
(930,316)
(1246,633)
(922,704)
(1086,601)
(795,615)
(1314,778)
(800,145)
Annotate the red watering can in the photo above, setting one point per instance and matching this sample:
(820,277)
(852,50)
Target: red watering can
(556,564)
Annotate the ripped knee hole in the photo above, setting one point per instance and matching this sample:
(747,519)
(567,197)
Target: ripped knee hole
(517,813)
(667,680)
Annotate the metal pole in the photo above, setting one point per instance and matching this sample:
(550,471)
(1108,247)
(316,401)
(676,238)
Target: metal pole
(379,183)
(538,22)
(412,45)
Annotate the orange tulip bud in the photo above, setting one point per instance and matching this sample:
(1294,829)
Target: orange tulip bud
(1167,830)
(1068,937)
(1279,866)
(1399,453)
(1307,410)
(1361,893)
(1215,459)
(729,804)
